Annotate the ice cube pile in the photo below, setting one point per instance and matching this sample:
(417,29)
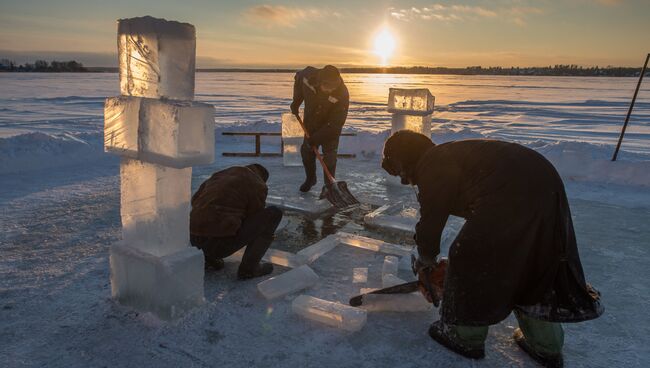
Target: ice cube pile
(160,132)
(292,137)
(411,109)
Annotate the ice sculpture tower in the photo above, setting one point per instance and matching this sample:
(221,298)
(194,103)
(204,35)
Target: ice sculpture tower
(159,132)
(411,109)
(292,137)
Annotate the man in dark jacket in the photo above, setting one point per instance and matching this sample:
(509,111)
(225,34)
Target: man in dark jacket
(326,108)
(229,212)
(516,252)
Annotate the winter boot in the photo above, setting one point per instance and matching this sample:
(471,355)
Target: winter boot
(466,341)
(306,186)
(263,268)
(546,359)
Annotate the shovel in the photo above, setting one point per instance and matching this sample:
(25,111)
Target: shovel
(336,192)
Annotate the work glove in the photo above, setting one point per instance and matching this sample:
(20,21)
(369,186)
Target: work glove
(431,279)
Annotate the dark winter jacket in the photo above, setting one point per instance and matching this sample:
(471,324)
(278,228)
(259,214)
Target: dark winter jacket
(223,201)
(517,248)
(324,114)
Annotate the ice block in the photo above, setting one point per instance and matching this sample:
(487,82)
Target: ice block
(415,123)
(417,101)
(390,266)
(156,58)
(413,302)
(155,206)
(166,132)
(167,286)
(275,256)
(384,218)
(360,275)
(288,282)
(330,313)
(306,204)
(314,251)
(374,245)
(292,138)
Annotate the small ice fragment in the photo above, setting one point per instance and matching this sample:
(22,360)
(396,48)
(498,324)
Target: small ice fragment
(157,58)
(288,282)
(373,244)
(330,313)
(314,251)
(415,101)
(360,275)
(412,302)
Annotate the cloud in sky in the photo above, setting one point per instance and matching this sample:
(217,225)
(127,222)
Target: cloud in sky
(452,13)
(283,16)
(610,2)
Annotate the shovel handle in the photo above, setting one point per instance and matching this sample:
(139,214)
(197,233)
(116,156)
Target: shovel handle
(329,175)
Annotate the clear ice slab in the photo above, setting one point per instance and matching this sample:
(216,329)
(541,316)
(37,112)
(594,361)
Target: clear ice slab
(316,250)
(167,286)
(416,123)
(330,313)
(275,256)
(306,204)
(157,58)
(289,282)
(393,218)
(416,101)
(166,132)
(292,138)
(374,245)
(155,206)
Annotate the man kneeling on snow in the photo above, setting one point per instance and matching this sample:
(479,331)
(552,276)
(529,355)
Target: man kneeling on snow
(228,213)
(516,252)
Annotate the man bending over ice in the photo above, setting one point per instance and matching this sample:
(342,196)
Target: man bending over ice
(228,213)
(516,252)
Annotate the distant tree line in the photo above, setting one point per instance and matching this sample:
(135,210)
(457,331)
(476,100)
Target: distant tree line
(555,70)
(7,65)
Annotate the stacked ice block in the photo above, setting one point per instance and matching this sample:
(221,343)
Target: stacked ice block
(160,133)
(292,137)
(411,109)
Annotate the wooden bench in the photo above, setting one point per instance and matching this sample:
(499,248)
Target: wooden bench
(258,145)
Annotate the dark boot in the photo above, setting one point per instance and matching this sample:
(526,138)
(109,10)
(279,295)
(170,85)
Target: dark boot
(213,264)
(449,337)
(547,360)
(262,268)
(306,186)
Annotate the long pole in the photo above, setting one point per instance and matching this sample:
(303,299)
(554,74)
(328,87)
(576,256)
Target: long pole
(629,112)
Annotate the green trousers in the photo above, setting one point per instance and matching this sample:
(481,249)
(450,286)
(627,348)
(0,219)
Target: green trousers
(544,337)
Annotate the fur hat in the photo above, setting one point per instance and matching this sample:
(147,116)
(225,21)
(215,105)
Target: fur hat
(259,170)
(402,151)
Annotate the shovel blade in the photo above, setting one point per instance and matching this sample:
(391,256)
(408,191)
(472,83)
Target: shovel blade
(339,195)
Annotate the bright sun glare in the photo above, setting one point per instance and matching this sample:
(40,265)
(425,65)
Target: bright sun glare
(384,45)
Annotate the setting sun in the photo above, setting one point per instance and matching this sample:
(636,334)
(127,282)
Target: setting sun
(384,45)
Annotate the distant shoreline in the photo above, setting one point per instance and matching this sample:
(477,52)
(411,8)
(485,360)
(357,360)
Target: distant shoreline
(551,71)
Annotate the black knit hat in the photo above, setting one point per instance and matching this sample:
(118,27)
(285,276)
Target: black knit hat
(259,170)
(403,150)
(329,76)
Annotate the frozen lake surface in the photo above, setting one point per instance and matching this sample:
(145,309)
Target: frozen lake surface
(59,201)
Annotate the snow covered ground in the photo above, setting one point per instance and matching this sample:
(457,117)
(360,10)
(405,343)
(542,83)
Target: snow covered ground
(59,201)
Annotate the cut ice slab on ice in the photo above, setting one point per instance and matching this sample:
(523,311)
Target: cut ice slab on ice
(275,256)
(167,286)
(167,132)
(393,218)
(155,206)
(411,302)
(374,245)
(314,251)
(289,282)
(306,204)
(330,313)
(157,58)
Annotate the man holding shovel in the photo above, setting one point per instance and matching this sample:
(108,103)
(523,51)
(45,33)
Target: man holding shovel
(326,108)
